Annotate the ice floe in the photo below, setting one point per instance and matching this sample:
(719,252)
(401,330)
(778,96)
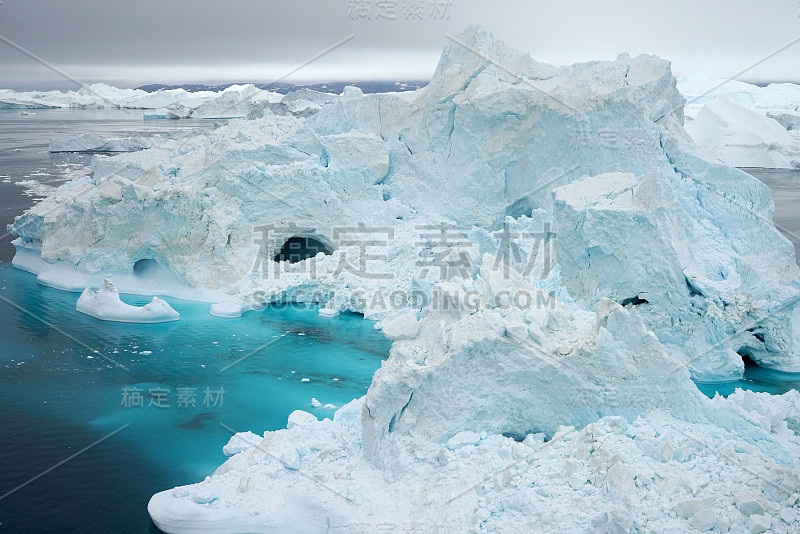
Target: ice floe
(105,304)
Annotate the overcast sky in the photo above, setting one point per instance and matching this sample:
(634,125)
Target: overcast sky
(210,41)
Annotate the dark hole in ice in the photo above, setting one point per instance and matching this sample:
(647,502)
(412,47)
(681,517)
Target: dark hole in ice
(749,363)
(634,301)
(694,291)
(520,207)
(144,266)
(299,248)
(516,436)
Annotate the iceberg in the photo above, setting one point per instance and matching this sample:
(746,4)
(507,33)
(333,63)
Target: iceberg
(741,137)
(93,143)
(100,95)
(105,304)
(555,260)
(701,88)
(479,150)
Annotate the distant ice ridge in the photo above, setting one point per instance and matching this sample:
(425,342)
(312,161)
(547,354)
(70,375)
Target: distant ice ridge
(233,99)
(743,137)
(600,262)
(105,304)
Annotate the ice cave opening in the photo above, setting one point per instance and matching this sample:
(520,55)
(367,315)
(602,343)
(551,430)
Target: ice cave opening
(145,266)
(298,248)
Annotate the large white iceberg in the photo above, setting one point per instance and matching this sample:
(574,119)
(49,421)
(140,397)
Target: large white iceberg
(700,89)
(546,246)
(735,470)
(478,149)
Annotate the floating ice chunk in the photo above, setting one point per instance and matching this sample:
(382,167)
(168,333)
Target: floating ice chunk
(105,304)
(229,309)
(156,114)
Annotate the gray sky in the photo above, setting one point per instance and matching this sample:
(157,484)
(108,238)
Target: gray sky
(144,41)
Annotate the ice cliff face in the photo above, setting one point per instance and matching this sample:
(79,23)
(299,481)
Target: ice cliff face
(507,367)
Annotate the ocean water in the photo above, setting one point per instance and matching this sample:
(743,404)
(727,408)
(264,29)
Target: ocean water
(170,401)
(60,394)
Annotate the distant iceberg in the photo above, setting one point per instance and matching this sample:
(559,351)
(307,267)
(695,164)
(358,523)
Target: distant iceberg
(742,137)
(100,95)
(93,143)
(732,121)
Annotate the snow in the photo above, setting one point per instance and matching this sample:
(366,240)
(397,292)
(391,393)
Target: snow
(106,305)
(742,137)
(540,378)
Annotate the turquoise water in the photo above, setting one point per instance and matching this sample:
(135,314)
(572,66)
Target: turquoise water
(756,379)
(59,396)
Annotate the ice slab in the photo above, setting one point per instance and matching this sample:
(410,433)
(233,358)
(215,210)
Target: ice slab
(106,305)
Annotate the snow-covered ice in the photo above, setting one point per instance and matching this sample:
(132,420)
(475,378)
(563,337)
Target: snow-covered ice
(733,468)
(476,149)
(105,304)
(543,380)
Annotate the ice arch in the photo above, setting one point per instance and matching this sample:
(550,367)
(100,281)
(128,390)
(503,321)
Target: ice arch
(298,248)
